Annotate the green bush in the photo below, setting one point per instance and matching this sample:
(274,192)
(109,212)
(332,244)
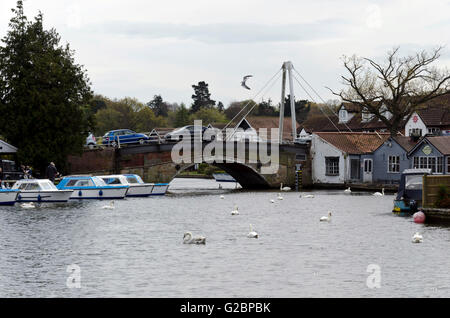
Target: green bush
(443,200)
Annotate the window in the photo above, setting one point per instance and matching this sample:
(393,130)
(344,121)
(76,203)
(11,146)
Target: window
(394,164)
(434,131)
(433,163)
(415,132)
(332,166)
(343,116)
(368,166)
(413,182)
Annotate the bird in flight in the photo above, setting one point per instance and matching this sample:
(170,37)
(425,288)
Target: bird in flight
(244,80)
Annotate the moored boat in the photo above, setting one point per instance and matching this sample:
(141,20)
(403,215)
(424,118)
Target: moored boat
(8,196)
(137,187)
(409,196)
(90,187)
(40,190)
(160,189)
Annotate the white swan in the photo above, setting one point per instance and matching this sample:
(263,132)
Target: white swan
(284,188)
(308,196)
(28,205)
(417,238)
(189,239)
(378,193)
(222,197)
(279,197)
(109,207)
(326,218)
(272,201)
(252,234)
(235,211)
(348,190)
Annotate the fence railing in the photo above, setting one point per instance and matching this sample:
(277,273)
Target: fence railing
(430,189)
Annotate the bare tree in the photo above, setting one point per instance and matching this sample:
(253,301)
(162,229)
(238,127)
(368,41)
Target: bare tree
(394,90)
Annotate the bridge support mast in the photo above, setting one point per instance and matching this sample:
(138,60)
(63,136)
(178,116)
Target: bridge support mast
(287,66)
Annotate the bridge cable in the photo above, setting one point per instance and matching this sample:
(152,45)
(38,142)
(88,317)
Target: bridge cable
(252,99)
(320,97)
(313,99)
(256,104)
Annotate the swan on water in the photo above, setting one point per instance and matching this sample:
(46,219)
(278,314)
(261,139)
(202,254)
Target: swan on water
(279,197)
(326,218)
(189,239)
(28,205)
(307,196)
(417,238)
(348,190)
(252,234)
(235,211)
(284,188)
(110,206)
(378,193)
(222,197)
(272,201)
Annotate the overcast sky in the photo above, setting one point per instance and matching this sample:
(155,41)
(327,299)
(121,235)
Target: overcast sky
(141,48)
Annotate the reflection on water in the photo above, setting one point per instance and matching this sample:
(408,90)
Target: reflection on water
(136,249)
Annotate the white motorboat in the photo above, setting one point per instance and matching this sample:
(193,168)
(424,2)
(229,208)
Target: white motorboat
(89,187)
(40,190)
(8,196)
(157,188)
(137,187)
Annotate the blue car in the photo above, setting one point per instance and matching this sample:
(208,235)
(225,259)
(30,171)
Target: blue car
(124,136)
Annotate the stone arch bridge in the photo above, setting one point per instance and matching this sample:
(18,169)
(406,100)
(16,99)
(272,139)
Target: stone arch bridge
(254,165)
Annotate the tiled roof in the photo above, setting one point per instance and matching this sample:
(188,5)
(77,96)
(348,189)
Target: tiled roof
(442,143)
(436,112)
(406,143)
(354,143)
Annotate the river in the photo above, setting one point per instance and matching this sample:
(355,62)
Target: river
(137,250)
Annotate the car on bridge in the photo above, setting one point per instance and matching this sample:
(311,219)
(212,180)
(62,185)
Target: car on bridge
(123,136)
(208,134)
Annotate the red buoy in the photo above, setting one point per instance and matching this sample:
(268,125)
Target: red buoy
(419,217)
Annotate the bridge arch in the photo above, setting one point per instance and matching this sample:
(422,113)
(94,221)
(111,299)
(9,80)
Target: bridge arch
(247,176)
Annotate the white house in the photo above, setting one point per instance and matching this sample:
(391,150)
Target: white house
(434,119)
(339,158)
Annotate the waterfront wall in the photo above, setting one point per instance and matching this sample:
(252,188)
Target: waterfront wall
(430,190)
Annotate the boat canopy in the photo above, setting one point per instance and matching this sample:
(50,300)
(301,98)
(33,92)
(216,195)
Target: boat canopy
(134,179)
(410,186)
(81,182)
(34,185)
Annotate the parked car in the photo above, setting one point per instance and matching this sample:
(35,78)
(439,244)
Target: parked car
(91,141)
(124,136)
(180,133)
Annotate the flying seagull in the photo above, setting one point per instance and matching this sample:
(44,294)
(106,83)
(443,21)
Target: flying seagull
(244,80)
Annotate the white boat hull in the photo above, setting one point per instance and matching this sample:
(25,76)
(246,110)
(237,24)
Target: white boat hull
(44,196)
(160,189)
(109,193)
(140,190)
(8,197)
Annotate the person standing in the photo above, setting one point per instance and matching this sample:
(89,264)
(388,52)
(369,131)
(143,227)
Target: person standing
(51,172)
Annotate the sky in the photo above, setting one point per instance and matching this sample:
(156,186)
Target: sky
(143,48)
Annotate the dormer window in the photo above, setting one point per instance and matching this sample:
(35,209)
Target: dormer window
(366,116)
(343,116)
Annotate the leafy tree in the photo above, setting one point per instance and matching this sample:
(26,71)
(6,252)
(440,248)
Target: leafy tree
(302,107)
(208,116)
(220,107)
(182,116)
(234,109)
(159,107)
(394,89)
(127,113)
(265,108)
(201,97)
(44,94)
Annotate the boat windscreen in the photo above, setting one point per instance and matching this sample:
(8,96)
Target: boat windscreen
(413,182)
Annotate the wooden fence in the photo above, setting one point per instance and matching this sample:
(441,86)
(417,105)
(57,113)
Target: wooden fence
(431,185)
